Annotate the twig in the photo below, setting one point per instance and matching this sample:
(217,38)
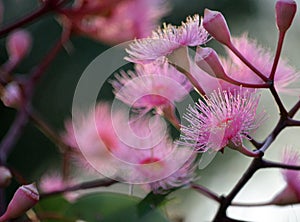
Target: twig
(271,164)
(283,111)
(206,192)
(46,7)
(13,134)
(294,110)
(83,186)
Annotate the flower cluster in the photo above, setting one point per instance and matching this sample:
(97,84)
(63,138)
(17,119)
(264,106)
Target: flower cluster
(131,140)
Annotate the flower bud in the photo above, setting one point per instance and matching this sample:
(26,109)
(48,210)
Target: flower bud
(285,13)
(24,199)
(18,45)
(208,60)
(215,24)
(11,95)
(5,177)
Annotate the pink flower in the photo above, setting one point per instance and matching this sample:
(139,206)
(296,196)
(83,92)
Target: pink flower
(181,177)
(151,85)
(116,21)
(291,193)
(285,75)
(263,61)
(222,119)
(163,166)
(25,197)
(52,182)
(164,41)
(93,136)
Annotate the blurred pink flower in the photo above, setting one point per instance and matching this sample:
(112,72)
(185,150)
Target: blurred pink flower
(92,135)
(164,41)
(52,182)
(263,61)
(181,177)
(164,166)
(291,193)
(237,70)
(222,119)
(151,85)
(116,21)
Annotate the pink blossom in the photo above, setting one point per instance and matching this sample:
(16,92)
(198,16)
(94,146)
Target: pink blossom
(181,177)
(291,193)
(151,85)
(52,182)
(116,21)
(18,44)
(164,166)
(222,119)
(25,197)
(262,59)
(92,135)
(166,40)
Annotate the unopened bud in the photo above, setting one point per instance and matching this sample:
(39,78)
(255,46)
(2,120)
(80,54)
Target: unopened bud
(286,197)
(5,177)
(208,60)
(285,13)
(216,25)
(18,44)
(12,95)
(24,199)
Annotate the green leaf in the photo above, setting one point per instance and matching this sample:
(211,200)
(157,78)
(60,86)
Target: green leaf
(151,202)
(111,207)
(53,207)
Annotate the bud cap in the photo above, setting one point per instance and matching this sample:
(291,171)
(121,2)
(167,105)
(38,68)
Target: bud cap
(208,60)
(18,44)
(5,177)
(216,25)
(24,198)
(285,13)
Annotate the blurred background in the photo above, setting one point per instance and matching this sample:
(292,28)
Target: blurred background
(34,154)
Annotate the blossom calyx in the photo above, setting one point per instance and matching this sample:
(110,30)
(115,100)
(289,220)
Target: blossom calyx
(285,13)
(24,198)
(5,177)
(11,95)
(208,60)
(216,25)
(18,45)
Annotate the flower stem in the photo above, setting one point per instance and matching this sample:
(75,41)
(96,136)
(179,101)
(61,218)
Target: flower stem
(82,186)
(46,8)
(13,134)
(191,78)
(206,192)
(237,204)
(247,63)
(277,55)
(247,85)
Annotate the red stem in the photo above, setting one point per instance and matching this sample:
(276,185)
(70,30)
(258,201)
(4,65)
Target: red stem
(82,186)
(277,55)
(206,192)
(191,78)
(46,7)
(247,63)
